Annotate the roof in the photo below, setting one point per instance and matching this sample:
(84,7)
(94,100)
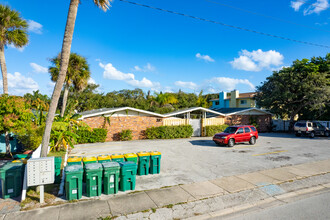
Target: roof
(102,111)
(234,111)
(247,95)
(191,110)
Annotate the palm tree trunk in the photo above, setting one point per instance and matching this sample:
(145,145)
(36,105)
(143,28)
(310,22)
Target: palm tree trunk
(65,55)
(65,99)
(3,69)
(7,140)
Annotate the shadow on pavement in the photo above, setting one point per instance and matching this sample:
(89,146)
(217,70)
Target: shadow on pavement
(205,143)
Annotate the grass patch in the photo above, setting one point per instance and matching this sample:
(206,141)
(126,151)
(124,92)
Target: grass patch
(153,210)
(33,197)
(169,206)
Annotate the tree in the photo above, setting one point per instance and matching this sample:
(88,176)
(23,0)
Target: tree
(66,48)
(15,116)
(202,100)
(77,75)
(165,98)
(291,90)
(13,31)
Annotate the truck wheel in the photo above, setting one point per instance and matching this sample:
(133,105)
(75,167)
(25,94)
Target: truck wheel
(327,133)
(312,135)
(231,143)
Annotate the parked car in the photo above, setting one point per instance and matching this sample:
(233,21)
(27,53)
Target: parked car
(236,134)
(310,128)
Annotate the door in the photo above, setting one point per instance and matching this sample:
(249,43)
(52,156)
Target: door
(247,134)
(196,125)
(239,137)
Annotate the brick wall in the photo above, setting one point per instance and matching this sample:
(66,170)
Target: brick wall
(138,125)
(264,121)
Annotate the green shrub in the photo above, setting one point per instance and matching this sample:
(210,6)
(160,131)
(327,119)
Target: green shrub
(125,135)
(213,129)
(32,138)
(96,135)
(169,132)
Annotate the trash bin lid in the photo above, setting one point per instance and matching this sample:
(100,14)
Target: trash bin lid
(130,155)
(115,156)
(24,161)
(87,159)
(12,166)
(93,166)
(73,168)
(104,157)
(110,164)
(74,159)
(58,159)
(127,163)
(154,153)
(143,153)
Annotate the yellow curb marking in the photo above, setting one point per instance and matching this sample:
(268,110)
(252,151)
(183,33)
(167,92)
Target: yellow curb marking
(274,152)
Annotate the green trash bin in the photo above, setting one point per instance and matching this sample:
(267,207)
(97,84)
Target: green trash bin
(103,158)
(155,157)
(58,163)
(74,161)
(127,175)
(117,158)
(143,166)
(131,157)
(110,177)
(73,181)
(11,179)
(93,176)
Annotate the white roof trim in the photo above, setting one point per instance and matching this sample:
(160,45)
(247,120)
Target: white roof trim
(120,109)
(191,110)
(247,110)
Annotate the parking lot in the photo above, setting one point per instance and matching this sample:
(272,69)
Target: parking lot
(199,159)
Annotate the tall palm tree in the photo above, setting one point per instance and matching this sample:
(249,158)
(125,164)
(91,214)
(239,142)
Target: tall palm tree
(13,31)
(165,98)
(77,75)
(66,48)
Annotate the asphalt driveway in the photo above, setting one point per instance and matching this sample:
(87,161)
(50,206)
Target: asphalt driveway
(199,159)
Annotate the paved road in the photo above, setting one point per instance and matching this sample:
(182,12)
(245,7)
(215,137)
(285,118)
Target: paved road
(199,159)
(315,207)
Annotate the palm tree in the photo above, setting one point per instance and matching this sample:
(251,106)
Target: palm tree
(77,75)
(13,31)
(202,100)
(65,54)
(165,98)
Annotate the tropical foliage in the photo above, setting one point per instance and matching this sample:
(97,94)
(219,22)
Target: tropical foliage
(213,129)
(169,132)
(13,31)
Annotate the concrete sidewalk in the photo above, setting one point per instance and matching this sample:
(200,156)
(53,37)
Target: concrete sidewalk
(189,200)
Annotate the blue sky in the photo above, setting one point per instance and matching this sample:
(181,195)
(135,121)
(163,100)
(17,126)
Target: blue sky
(131,46)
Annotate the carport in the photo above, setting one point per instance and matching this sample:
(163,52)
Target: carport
(197,117)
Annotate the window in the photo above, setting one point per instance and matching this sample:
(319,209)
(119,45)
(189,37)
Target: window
(216,103)
(309,124)
(253,129)
(240,131)
(243,102)
(247,130)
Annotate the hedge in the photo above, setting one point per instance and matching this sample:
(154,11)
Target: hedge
(91,136)
(213,129)
(169,132)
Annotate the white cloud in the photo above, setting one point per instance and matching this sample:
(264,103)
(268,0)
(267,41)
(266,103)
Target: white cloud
(321,24)
(188,85)
(34,27)
(146,68)
(110,72)
(216,84)
(296,5)
(20,49)
(207,58)
(257,60)
(19,84)
(91,81)
(38,69)
(317,7)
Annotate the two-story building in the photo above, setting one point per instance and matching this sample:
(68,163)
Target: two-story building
(234,99)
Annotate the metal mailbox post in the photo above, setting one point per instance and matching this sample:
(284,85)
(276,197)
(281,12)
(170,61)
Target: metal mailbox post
(40,171)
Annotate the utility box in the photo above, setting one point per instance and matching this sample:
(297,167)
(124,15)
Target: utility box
(40,171)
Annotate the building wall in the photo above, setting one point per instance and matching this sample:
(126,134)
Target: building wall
(263,121)
(233,101)
(138,125)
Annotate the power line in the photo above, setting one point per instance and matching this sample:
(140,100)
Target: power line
(266,16)
(227,25)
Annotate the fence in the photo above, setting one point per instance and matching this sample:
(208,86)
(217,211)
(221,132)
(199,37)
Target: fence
(174,121)
(213,121)
(283,125)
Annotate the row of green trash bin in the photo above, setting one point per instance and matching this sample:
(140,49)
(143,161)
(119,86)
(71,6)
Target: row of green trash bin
(12,175)
(148,162)
(107,177)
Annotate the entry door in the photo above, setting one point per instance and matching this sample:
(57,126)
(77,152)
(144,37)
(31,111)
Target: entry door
(196,125)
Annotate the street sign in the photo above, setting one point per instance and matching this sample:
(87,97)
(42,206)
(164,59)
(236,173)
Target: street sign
(40,171)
